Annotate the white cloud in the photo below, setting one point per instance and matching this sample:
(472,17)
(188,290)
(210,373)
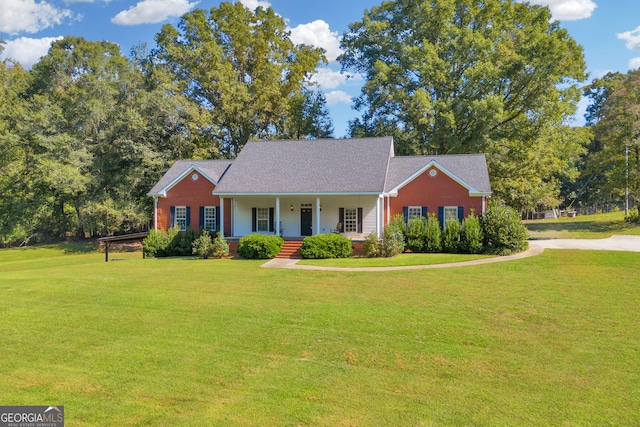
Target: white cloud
(328,79)
(568,10)
(253,4)
(634,64)
(26,15)
(336,97)
(632,37)
(318,34)
(152,11)
(27,51)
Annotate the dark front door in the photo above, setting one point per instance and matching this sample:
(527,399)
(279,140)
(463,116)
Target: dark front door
(306,222)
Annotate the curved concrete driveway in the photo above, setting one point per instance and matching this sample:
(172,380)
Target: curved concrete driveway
(613,243)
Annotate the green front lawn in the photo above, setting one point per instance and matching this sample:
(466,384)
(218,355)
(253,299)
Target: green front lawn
(597,226)
(548,340)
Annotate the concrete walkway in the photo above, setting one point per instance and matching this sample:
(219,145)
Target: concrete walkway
(536,247)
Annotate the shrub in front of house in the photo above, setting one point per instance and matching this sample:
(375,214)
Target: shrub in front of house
(415,234)
(451,237)
(260,246)
(323,246)
(504,232)
(393,239)
(471,235)
(157,243)
(433,234)
(207,247)
(371,247)
(182,244)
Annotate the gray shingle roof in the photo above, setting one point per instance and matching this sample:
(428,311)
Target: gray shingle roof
(309,167)
(470,168)
(324,166)
(212,169)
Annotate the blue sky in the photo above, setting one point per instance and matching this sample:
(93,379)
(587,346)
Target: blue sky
(608,30)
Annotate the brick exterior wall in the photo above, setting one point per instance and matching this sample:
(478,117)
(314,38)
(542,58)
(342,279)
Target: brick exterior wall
(191,193)
(434,191)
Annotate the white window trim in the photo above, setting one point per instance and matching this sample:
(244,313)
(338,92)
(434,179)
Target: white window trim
(180,219)
(448,218)
(209,221)
(350,225)
(262,218)
(415,209)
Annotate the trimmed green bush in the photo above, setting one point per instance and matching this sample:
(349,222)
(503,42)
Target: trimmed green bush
(371,247)
(451,237)
(433,235)
(323,246)
(182,244)
(504,232)
(206,247)
(158,243)
(260,246)
(393,239)
(471,235)
(415,234)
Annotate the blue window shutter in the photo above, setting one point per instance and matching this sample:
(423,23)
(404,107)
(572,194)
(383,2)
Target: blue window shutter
(341,219)
(254,218)
(405,214)
(217,218)
(424,211)
(172,220)
(441,216)
(460,213)
(201,221)
(271,219)
(188,216)
(359,220)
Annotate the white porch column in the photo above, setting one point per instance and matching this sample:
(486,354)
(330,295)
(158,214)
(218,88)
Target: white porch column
(379,214)
(318,222)
(221,219)
(277,224)
(483,204)
(388,209)
(155,212)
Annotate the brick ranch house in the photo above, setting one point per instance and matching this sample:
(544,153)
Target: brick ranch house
(300,188)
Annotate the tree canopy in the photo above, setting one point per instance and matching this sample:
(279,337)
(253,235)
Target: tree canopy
(468,76)
(614,116)
(240,66)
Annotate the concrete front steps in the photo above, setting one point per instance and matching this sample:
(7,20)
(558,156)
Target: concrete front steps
(290,250)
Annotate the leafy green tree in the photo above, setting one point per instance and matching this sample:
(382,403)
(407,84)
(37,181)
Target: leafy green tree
(307,118)
(15,193)
(616,124)
(468,76)
(100,131)
(240,66)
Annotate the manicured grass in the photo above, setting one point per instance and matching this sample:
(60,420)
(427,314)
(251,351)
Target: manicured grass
(548,340)
(582,227)
(397,261)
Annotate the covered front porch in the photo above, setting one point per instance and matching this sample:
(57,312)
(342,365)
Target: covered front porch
(295,217)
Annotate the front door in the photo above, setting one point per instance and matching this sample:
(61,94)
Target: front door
(306,222)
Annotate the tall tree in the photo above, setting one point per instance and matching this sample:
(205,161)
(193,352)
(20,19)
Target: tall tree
(240,66)
(614,163)
(15,192)
(467,76)
(307,118)
(99,133)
